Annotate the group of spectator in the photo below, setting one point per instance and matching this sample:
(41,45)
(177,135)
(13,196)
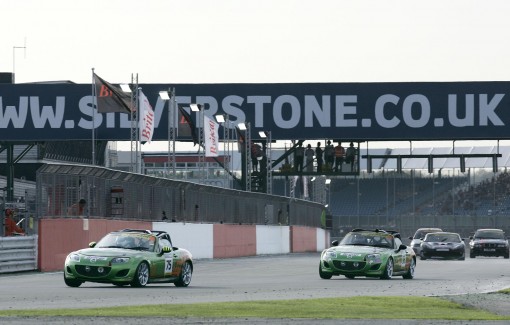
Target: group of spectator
(330,159)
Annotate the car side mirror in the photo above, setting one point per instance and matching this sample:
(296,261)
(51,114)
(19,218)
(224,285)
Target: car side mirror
(334,243)
(402,247)
(92,244)
(410,237)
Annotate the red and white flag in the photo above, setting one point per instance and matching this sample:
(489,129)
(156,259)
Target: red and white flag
(211,138)
(146,121)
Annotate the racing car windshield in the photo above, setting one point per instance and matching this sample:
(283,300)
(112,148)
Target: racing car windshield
(127,241)
(490,235)
(368,239)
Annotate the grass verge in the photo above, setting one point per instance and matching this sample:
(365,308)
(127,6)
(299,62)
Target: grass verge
(324,308)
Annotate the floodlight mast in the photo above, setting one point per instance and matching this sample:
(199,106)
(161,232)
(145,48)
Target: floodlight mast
(169,95)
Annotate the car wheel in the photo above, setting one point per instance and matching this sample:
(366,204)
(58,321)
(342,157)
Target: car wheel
(506,255)
(141,276)
(349,276)
(324,275)
(422,257)
(388,270)
(185,276)
(471,255)
(410,272)
(72,282)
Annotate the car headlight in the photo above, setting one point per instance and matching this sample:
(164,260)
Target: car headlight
(120,260)
(74,257)
(373,258)
(331,254)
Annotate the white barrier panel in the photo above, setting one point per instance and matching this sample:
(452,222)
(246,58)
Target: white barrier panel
(273,240)
(197,238)
(322,239)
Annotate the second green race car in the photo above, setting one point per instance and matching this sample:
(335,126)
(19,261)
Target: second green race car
(369,253)
(135,257)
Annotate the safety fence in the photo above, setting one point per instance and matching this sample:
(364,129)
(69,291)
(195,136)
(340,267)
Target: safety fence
(128,196)
(18,254)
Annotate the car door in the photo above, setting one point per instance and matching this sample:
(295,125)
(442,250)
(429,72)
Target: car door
(399,256)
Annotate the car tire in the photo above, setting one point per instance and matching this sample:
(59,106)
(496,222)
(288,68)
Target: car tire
(471,255)
(507,255)
(388,270)
(350,276)
(141,277)
(410,272)
(324,275)
(422,257)
(185,276)
(72,282)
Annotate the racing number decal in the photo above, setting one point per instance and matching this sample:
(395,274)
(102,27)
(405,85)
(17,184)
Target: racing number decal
(168,265)
(403,261)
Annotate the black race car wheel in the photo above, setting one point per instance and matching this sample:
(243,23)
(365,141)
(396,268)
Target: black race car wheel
(72,282)
(141,276)
(324,275)
(185,276)
(349,276)
(472,255)
(507,255)
(410,272)
(422,256)
(388,270)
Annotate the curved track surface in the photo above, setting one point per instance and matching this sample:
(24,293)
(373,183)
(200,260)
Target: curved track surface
(292,276)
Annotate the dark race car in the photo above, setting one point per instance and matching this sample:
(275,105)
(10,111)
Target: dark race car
(442,245)
(489,242)
(369,253)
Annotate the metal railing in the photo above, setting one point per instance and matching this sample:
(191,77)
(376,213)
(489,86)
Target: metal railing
(123,195)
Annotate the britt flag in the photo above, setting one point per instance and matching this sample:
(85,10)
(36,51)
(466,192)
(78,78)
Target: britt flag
(146,126)
(211,139)
(111,98)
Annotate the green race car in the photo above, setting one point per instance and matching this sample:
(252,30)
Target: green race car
(135,257)
(369,253)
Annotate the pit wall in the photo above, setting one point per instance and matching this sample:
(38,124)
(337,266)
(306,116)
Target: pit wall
(58,237)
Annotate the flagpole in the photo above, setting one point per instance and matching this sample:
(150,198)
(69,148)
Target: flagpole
(94,101)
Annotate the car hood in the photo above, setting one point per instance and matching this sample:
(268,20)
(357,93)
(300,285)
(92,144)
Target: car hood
(440,243)
(490,241)
(359,249)
(108,252)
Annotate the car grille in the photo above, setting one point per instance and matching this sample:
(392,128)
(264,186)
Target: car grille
(93,271)
(349,266)
(489,245)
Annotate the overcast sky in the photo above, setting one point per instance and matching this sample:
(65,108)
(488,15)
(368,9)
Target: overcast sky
(268,41)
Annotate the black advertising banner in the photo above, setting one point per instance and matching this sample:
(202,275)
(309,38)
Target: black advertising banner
(346,111)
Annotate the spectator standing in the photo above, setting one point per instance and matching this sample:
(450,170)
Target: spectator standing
(339,157)
(350,155)
(299,155)
(318,155)
(77,209)
(163,216)
(11,228)
(329,155)
(309,154)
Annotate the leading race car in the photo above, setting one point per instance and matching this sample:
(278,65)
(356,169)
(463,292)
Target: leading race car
(369,253)
(135,257)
